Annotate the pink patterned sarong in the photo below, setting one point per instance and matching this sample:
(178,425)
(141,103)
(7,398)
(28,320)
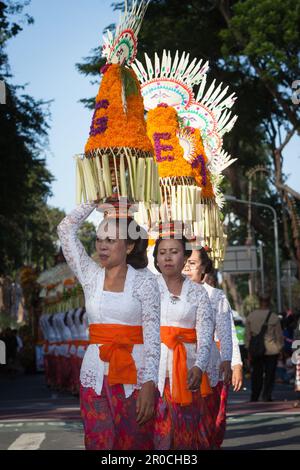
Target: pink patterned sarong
(180,427)
(221,418)
(110,420)
(211,408)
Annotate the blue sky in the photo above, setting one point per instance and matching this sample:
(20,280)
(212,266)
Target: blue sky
(44,56)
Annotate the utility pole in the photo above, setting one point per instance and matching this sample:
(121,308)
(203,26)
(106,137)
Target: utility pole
(249,242)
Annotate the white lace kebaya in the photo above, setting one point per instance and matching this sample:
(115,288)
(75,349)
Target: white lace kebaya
(191,309)
(225,329)
(81,323)
(137,305)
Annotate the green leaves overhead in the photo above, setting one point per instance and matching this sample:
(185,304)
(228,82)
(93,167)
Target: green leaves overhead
(27,224)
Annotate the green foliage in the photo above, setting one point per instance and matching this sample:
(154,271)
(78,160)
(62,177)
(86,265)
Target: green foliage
(87,236)
(6,321)
(129,83)
(268,36)
(250,303)
(27,357)
(12,19)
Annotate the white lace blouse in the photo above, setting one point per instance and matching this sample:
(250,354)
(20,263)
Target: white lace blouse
(65,334)
(225,330)
(137,305)
(43,323)
(82,327)
(71,325)
(192,309)
(50,332)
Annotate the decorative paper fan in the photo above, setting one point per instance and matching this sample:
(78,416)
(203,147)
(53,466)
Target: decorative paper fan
(216,166)
(220,162)
(198,116)
(167,81)
(188,144)
(121,47)
(210,114)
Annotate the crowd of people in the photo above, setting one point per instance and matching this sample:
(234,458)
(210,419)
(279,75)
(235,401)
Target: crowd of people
(202,349)
(65,342)
(279,361)
(152,356)
(162,348)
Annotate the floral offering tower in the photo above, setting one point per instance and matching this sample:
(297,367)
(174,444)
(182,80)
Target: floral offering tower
(118,160)
(186,132)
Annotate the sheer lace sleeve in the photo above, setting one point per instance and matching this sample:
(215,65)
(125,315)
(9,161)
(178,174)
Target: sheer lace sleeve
(205,328)
(236,354)
(224,327)
(147,291)
(77,258)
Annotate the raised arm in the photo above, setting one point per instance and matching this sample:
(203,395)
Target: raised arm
(224,327)
(205,326)
(77,258)
(149,296)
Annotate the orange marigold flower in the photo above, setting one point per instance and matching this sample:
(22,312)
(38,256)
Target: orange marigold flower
(162,128)
(112,126)
(203,181)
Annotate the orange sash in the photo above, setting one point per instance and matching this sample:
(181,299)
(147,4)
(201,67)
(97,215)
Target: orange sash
(174,338)
(117,344)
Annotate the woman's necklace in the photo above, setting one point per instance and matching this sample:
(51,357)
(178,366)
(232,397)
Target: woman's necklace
(174,299)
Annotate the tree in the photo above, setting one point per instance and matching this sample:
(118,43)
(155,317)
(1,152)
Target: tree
(87,236)
(262,39)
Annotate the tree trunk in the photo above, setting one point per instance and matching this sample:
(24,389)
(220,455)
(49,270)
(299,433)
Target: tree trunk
(230,286)
(295,228)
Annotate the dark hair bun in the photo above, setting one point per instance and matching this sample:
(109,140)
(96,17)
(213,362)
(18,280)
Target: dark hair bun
(205,260)
(138,258)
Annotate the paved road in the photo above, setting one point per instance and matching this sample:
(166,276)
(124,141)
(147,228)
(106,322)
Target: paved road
(261,425)
(33,417)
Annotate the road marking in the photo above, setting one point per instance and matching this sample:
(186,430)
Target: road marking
(28,441)
(37,423)
(13,425)
(266,413)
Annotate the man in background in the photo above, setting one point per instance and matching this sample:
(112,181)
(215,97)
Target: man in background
(264,367)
